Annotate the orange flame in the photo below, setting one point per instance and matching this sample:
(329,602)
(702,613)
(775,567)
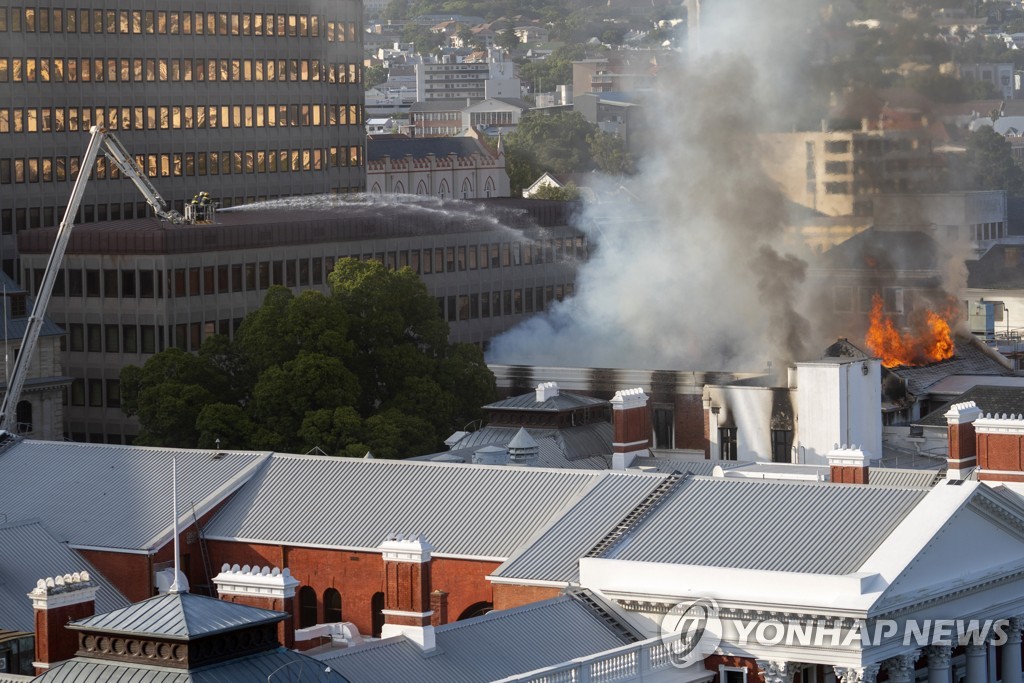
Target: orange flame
(931,343)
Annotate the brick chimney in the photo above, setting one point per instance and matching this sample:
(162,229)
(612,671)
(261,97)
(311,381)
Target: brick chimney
(407,598)
(631,421)
(999,441)
(263,587)
(848,465)
(56,601)
(439,606)
(963,446)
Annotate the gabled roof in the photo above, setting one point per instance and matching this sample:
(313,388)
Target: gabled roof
(492,647)
(116,497)
(178,616)
(885,250)
(817,528)
(28,553)
(294,500)
(991,399)
(552,555)
(999,268)
(421,148)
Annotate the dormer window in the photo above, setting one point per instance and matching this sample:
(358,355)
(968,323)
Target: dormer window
(17,305)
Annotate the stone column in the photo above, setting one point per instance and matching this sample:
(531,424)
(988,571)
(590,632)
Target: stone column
(1011,652)
(776,671)
(938,664)
(977,662)
(857,674)
(901,667)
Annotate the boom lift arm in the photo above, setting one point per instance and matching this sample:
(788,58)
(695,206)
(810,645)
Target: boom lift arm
(101,139)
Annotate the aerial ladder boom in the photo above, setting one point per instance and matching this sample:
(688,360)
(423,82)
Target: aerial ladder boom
(103,140)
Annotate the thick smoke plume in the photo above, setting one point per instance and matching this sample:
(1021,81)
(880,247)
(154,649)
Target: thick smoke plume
(691,273)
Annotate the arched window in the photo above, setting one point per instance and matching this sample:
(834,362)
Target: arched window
(421,189)
(375,189)
(377,609)
(467,188)
(399,187)
(332,606)
(23,417)
(307,607)
(477,609)
(488,187)
(444,191)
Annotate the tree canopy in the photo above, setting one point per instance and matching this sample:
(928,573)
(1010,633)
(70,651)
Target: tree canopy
(366,368)
(561,144)
(988,165)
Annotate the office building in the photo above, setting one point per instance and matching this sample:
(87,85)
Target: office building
(242,100)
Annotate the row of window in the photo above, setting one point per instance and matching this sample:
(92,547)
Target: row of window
(505,302)
(247,277)
(39,217)
(988,231)
(159,22)
(894,299)
(59,169)
(174,70)
(782,444)
(74,119)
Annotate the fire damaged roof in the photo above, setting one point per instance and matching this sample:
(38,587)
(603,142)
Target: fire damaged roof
(970,357)
(991,399)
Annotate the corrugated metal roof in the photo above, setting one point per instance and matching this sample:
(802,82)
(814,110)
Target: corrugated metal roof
(491,647)
(274,666)
(178,616)
(108,496)
(903,478)
(323,501)
(768,525)
(29,553)
(584,447)
(553,554)
(558,403)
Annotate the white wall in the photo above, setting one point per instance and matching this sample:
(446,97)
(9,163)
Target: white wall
(749,409)
(838,402)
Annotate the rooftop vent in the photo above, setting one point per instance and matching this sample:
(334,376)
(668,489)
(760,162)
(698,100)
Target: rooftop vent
(546,390)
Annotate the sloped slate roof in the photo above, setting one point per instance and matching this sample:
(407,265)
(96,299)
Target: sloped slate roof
(999,268)
(560,402)
(119,497)
(990,399)
(553,554)
(968,359)
(421,148)
(353,503)
(15,327)
(28,553)
(250,669)
(584,447)
(178,616)
(885,250)
(488,648)
(812,527)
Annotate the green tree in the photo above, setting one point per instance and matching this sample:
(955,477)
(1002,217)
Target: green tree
(396,10)
(989,165)
(567,193)
(610,155)
(374,76)
(368,367)
(425,40)
(507,39)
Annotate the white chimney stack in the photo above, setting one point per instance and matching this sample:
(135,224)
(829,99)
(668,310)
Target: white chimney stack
(546,390)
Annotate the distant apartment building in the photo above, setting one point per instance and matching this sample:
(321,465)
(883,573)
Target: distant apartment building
(441,118)
(244,102)
(619,72)
(838,172)
(467,81)
(129,289)
(1000,75)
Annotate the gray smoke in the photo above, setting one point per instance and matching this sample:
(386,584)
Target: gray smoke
(692,272)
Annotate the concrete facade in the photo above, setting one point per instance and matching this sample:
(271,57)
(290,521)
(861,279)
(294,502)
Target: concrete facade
(242,101)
